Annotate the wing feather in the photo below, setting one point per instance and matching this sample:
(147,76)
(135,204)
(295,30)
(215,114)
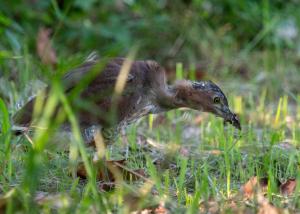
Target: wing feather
(92,75)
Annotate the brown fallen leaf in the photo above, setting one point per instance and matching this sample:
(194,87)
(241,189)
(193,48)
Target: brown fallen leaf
(253,185)
(44,48)
(288,187)
(265,207)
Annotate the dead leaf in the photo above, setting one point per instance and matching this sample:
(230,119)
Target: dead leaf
(44,48)
(288,187)
(265,207)
(253,185)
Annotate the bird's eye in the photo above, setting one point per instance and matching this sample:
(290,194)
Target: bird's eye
(217,100)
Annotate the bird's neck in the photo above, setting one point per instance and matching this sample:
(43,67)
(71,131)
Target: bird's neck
(170,97)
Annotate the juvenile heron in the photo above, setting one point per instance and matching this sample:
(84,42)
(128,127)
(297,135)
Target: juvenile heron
(146,92)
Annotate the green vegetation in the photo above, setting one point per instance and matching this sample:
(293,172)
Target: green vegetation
(191,161)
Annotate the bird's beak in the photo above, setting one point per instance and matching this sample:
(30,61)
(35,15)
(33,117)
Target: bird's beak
(229,117)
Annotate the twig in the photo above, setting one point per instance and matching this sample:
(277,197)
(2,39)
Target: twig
(133,172)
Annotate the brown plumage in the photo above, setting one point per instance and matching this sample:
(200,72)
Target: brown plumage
(145,92)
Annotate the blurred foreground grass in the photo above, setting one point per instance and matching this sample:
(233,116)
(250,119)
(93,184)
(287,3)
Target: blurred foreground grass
(193,162)
(191,158)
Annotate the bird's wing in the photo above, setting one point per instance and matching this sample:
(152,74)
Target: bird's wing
(92,75)
(95,73)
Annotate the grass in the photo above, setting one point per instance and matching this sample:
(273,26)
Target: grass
(211,163)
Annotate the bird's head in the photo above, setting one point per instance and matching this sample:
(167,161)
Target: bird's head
(205,96)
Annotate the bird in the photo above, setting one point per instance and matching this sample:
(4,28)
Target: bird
(146,91)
